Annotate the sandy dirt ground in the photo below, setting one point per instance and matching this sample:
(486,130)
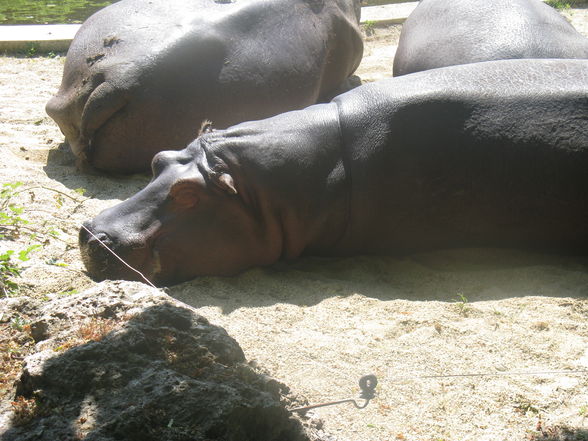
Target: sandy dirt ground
(320,324)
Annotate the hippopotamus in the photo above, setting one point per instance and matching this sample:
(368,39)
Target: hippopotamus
(491,154)
(442,33)
(141,76)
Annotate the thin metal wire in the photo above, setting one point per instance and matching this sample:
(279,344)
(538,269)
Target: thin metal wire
(330,403)
(120,258)
(494,374)
(420,377)
(367,384)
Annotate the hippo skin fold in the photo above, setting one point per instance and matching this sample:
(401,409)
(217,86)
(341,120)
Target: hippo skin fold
(442,33)
(486,154)
(141,76)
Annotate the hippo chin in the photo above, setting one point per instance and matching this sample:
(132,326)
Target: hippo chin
(141,75)
(487,154)
(442,33)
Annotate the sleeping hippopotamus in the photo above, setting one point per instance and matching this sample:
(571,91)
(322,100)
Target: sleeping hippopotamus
(141,75)
(442,33)
(484,154)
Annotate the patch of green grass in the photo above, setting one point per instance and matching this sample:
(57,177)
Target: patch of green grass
(369,27)
(559,4)
(48,11)
(14,225)
(69,292)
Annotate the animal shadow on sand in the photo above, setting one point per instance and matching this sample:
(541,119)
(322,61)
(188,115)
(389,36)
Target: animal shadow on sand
(480,274)
(61,166)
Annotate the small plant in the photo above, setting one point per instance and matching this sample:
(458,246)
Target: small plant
(69,292)
(13,225)
(9,268)
(10,218)
(462,304)
(524,407)
(558,4)
(96,329)
(583,412)
(19,323)
(56,262)
(32,50)
(93,329)
(369,27)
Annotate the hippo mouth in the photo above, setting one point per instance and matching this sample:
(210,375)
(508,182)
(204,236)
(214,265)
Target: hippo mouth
(105,260)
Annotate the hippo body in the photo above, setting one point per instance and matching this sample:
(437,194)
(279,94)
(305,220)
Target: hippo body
(486,154)
(141,76)
(442,33)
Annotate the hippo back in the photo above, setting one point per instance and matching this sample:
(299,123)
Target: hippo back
(485,154)
(141,76)
(449,32)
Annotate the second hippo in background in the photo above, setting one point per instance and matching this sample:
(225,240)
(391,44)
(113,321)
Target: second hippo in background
(141,76)
(443,33)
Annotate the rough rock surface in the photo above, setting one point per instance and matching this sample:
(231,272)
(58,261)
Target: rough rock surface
(122,361)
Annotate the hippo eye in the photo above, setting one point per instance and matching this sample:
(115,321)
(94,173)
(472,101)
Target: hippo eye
(185,193)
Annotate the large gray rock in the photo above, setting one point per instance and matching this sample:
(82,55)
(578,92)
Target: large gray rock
(123,361)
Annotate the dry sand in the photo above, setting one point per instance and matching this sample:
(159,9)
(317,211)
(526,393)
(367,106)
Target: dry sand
(319,324)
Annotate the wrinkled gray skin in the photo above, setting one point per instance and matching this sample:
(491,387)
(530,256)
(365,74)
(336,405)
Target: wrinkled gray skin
(443,33)
(486,154)
(141,76)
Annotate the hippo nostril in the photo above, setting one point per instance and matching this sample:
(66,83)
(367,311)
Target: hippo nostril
(94,239)
(99,242)
(101,237)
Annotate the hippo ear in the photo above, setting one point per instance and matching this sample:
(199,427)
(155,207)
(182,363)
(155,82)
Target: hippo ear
(206,127)
(185,193)
(225,182)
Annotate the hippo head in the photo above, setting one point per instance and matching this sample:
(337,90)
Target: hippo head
(192,219)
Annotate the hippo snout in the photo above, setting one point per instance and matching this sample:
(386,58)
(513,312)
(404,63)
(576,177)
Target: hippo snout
(95,254)
(107,257)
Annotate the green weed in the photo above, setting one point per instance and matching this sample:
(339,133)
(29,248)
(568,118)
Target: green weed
(369,27)
(462,304)
(32,50)
(13,225)
(558,4)
(18,323)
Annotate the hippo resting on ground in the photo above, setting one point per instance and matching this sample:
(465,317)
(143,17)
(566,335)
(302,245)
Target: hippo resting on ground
(486,154)
(443,33)
(141,76)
